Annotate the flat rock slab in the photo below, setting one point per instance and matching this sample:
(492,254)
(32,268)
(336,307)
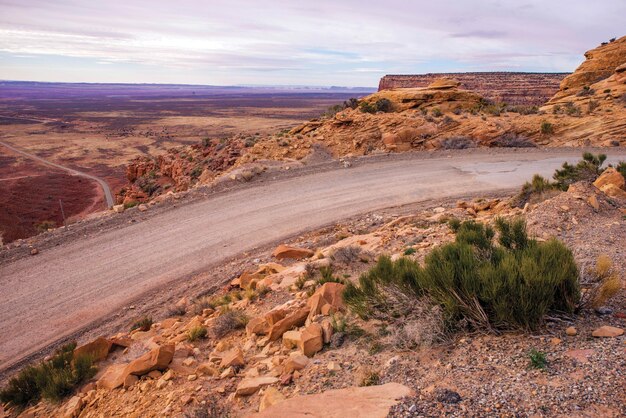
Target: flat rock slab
(369,401)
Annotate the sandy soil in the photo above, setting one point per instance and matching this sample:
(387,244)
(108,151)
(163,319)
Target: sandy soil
(68,287)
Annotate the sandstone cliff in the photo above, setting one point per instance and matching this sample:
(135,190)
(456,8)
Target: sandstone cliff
(507,87)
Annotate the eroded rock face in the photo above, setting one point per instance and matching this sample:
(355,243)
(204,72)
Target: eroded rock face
(507,87)
(370,401)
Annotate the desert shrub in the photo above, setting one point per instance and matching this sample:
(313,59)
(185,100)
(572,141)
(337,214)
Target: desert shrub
(229,322)
(457,142)
(409,251)
(571,109)
(328,277)
(196,171)
(43,226)
(147,185)
(300,281)
(197,333)
(436,112)
(129,205)
(346,255)
(369,377)
(53,379)
(537,359)
(586,91)
(602,283)
(592,105)
(621,167)
(143,324)
(587,169)
(339,322)
(201,304)
(533,190)
(507,286)
(380,105)
(523,110)
(513,140)
(177,310)
(556,109)
(423,328)
(546,128)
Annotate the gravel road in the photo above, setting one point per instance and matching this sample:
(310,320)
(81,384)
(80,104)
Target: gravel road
(65,288)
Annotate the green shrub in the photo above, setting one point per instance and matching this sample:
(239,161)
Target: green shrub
(536,187)
(380,105)
(197,333)
(437,112)
(537,359)
(621,167)
(144,324)
(227,322)
(587,169)
(327,276)
(546,128)
(410,251)
(507,286)
(53,379)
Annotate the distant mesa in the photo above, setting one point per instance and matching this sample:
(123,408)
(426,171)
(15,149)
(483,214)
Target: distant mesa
(529,89)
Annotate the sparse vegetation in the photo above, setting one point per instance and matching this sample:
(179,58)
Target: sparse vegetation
(458,142)
(602,283)
(197,333)
(621,167)
(586,91)
(507,286)
(369,377)
(44,226)
(436,112)
(535,190)
(547,128)
(513,140)
(53,380)
(228,322)
(587,169)
(380,105)
(537,359)
(410,251)
(144,324)
(346,255)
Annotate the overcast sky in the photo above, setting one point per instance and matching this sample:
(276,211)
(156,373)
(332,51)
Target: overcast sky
(313,42)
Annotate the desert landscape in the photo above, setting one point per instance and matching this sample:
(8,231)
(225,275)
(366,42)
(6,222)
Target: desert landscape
(99,129)
(450,244)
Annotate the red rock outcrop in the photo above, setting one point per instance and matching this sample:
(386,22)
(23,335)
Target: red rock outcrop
(505,87)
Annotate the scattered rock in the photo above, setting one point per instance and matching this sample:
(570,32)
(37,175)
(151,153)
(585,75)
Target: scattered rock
(270,397)
(249,386)
(284,251)
(448,396)
(233,358)
(607,332)
(312,340)
(571,331)
(157,359)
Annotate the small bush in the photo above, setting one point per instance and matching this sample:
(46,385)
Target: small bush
(327,276)
(197,333)
(621,167)
(143,324)
(339,322)
(177,310)
(602,283)
(537,359)
(457,142)
(586,91)
(546,128)
(533,190)
(44,226)
(588,169)
(410,251)
(571,109)
(346,255)
(436,112)
(380,105)
(592,105)
(229,322)
(507,286)
(53,379)
(513,140)
(300,281)
(369,377)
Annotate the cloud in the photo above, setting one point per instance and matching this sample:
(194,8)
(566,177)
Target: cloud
(324,42)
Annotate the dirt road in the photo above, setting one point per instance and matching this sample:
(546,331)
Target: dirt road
(65,288)
(103,184)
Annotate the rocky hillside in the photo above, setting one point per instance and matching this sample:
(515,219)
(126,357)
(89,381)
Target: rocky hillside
(283,339)
(440,115)
(528,89)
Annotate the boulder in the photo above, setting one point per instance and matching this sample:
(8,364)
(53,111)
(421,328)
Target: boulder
(249,386)
(113,377)
(327,299)
(291,339)
(118,208)
(295,362)
(156,359)
(271,397)
(257,326)
(607,332)
(312,340)
(73,407)
(327,331)
(294,319)
(232,358)
(593,201)
(284,251)
(571,331)
(97,349)
(610,176)
(130,380)
(368,401)
(612,190)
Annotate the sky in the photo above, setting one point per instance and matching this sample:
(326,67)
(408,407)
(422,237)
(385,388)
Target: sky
(293,42)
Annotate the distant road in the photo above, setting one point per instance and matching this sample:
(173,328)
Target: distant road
(66,288)
(105,187)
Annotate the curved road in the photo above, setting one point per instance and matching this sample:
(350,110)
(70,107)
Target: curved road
(105,187)
(63,289)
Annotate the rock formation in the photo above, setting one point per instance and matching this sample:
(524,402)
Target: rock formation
(507,87)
